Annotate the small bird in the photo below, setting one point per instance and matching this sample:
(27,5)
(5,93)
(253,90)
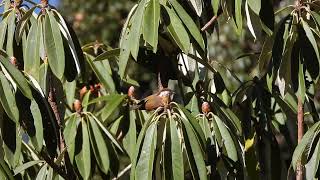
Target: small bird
(152,102)
(159,99)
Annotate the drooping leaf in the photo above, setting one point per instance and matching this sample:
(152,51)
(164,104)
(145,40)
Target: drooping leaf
(197,6)
(188,22)
(42,172)
(177,30)
(151,23)
(54,45)
(83,158)
(145,163)
(7,99)
(176,152)
(10,33)
(25,166)
(32,56)
(22,24)
(99,146)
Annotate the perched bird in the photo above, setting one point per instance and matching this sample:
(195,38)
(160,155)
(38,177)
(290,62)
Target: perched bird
(152,102)
(159,99)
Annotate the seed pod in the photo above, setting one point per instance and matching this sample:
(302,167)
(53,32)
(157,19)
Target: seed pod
(83,91)
(131,92)
(77,105)
(205,107)
(14,61)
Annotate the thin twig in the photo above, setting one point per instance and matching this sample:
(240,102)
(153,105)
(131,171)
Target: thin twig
(126,169)
(212,20)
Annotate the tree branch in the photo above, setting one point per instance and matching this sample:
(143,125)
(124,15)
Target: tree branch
(212,20)
(299,170)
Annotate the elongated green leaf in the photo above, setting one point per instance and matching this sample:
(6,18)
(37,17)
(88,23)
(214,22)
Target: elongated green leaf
(197,6)
(300,153)
(10,33)
(5,170)
(54,45)
(177,30)
(42,173)
(37,140)
(7,99)
(25,166)
(129,141)
(22,24)
(188,22)
(310,36)
(196,149)
(100,71)
(32,56)
(238,16)
(255,5)
(106,98)
(70,132)
(107,133)
(99,146)
(15,74)
(111,107)
(135,30)
(176,152)
(227,139)
(145,163)
(3,29)
(151,23)
(108,54)
(83,158)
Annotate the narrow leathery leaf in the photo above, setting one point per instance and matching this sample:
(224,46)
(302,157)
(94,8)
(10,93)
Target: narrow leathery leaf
(42,172)
(266,15)
(32,56)
(300,152)
(25,166)
(227,140)
(311,37)
(196,149)
(302,85)
(249,23)
(54,45)
(112,107)
(124,54)
(188,22)
(238,16)
(37,140)
(151,23)
(129,141)
(108,54)
(100,71)
(11,20)
(265,56)
(70,132)
(73,42)
(176,152)
(22,24)
(83,158)
(135,29)
(106,132)
(197,6)
(109,97)
(3,29)
(145,163)
(177,30)
(15,74)
(49,174)
(193,121)
(7,99)
(255,5)
(99,146)
(138,145)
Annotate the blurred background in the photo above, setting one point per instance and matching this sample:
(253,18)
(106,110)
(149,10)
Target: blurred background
(102,21)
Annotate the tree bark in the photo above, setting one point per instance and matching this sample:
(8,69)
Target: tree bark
(299,170)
